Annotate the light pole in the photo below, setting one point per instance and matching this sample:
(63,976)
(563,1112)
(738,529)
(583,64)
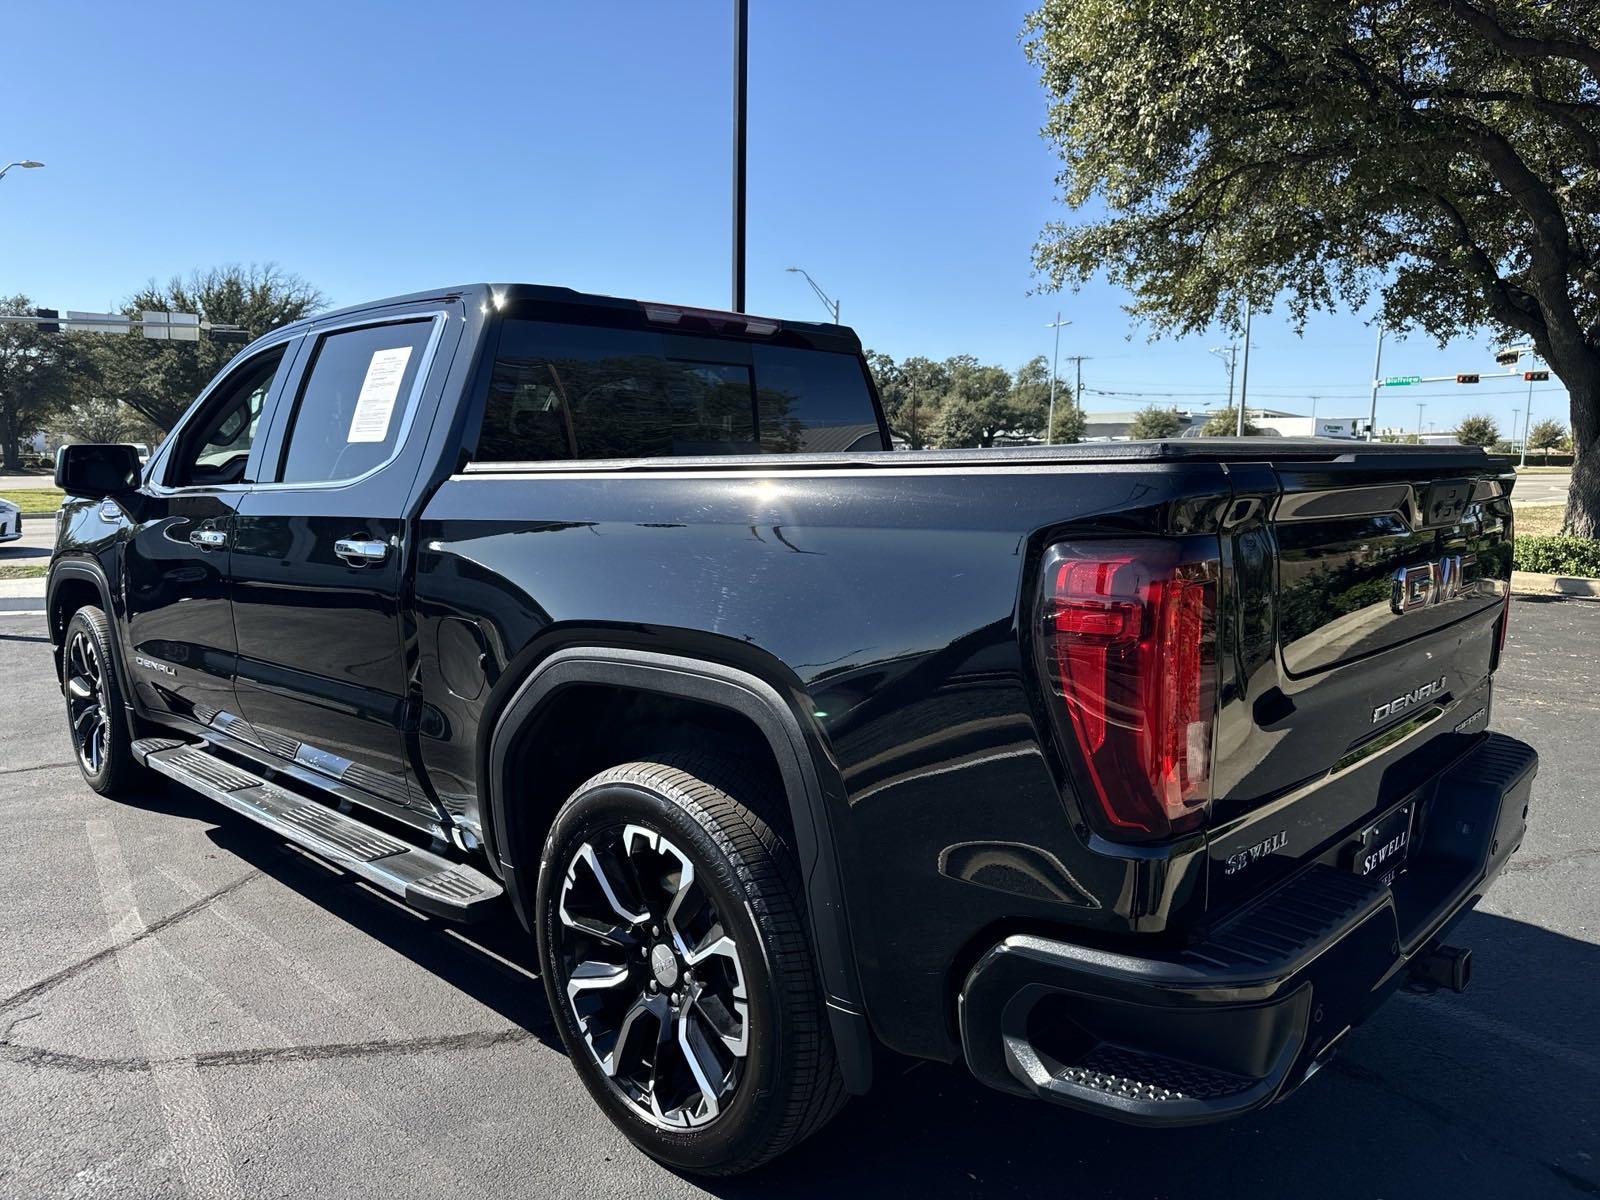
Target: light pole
(831,305)
(1377,382)
(24,163)
(741,111)
(1244,373)
(1055,358)
(1421,404)
(1527,425)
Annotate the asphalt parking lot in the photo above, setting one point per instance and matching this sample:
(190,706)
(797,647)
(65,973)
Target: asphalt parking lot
(190,1007)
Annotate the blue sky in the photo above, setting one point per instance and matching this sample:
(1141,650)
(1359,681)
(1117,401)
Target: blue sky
(381,148)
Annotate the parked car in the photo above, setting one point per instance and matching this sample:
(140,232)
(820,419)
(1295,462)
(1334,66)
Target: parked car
(1135,775)
(10,521)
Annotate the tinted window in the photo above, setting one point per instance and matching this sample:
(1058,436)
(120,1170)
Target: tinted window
(353,401)
(217,446)
(570,391)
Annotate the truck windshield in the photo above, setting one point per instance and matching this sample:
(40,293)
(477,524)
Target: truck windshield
(575,391)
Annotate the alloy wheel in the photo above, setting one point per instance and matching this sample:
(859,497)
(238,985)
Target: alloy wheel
(86,707)
(653,976)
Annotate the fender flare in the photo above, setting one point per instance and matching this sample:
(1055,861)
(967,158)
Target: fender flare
(747,694)
(88,568)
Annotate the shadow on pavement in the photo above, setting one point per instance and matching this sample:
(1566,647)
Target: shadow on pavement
(1487,1094)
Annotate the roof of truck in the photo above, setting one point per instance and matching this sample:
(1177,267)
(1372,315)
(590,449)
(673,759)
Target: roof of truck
(552,298)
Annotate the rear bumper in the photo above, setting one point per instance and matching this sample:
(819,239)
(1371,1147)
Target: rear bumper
(1244,1016)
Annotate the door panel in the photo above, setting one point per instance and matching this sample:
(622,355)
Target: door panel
(177,554)
(318,556)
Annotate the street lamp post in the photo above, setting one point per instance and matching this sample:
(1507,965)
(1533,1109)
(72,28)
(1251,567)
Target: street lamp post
(1055,359)
(1421,404)
(1244,374)
(831,305)
(24,163)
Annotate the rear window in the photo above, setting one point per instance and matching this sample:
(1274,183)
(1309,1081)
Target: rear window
(577,392)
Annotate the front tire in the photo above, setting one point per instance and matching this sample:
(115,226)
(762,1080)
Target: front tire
(95,719)
(678,967)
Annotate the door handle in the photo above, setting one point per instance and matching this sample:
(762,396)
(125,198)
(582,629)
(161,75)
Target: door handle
(208,539)
(361,552)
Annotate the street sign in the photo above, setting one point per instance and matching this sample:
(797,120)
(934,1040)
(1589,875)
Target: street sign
(94,322)
(1401,380)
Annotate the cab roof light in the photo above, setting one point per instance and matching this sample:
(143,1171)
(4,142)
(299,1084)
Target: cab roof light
(719,320)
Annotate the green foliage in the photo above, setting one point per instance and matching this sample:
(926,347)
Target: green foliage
(1548,435)
(159,379)
(36,377)
(961,402)
(1156,422)
(1478,430)
(1441,157)
(1558,555)
(1225,423)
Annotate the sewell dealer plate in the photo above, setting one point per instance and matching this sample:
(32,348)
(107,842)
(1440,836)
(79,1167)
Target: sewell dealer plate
(1382,849)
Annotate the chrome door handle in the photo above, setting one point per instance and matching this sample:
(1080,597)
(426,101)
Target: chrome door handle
(208,539)
(361,552)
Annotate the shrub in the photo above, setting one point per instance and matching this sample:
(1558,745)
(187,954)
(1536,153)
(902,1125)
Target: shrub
(1558,555)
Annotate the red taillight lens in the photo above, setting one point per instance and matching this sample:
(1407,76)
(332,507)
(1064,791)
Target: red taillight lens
(1130,635)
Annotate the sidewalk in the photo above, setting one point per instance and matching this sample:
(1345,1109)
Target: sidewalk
(21,595)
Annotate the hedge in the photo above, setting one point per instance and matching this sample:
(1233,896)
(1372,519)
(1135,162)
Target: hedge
(1558,555)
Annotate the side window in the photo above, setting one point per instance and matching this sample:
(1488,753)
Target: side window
(216,446)
(352,401)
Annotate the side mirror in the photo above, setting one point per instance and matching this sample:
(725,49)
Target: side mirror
(95,472)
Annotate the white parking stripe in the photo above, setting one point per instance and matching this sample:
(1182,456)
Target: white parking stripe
(185,1104)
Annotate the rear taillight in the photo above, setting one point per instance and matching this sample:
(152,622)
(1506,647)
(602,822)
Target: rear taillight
(1130,643)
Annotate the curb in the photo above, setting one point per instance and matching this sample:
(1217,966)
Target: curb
(22,595)
(1532,583)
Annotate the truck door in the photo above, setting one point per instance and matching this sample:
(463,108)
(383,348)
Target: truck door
(319,546)
(177,553)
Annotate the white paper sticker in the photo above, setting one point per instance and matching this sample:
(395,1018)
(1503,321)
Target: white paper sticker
(375,404)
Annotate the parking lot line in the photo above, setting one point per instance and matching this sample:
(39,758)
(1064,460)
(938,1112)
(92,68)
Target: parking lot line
(185,1104)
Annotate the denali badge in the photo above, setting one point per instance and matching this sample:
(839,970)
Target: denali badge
(1400,703)
(150,665)
(1238,862)
(1431,583)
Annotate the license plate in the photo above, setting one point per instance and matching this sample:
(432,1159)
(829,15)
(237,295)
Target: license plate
(1383,847)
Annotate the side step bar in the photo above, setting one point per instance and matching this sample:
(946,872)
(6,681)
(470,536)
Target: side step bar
(425,880)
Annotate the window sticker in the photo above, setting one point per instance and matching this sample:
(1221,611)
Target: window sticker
(380,388)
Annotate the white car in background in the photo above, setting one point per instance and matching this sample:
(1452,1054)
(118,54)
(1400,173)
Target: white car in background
(10,521)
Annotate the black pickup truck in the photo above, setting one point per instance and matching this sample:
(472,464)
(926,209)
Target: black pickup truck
(1133,774)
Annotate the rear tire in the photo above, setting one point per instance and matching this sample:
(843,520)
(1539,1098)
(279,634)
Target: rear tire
(678,966)
(96,721)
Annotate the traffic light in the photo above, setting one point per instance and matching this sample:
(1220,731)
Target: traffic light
(237,337)
(1507,356)
(1536,376)
(1469,377)
(48,322)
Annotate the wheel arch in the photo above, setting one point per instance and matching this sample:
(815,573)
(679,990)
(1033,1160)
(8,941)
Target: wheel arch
(756,701)
(74,583)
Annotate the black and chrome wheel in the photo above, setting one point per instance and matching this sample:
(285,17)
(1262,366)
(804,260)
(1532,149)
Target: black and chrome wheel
(677,965)
(94,704)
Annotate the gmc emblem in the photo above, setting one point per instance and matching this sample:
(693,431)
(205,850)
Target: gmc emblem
(1432,583)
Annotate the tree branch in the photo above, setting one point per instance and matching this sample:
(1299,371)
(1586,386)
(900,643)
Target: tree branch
(1519,46)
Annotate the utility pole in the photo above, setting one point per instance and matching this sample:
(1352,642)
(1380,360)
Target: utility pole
(1377,382)
(741,72)
(1244,377)
(1055,360)
(1232,352)
(1077,360)
(1421,404)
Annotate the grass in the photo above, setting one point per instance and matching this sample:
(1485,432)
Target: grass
(23,570)
(1539,520)
(35,501)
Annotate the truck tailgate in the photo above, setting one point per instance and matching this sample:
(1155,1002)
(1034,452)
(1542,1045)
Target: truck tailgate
(1371,593)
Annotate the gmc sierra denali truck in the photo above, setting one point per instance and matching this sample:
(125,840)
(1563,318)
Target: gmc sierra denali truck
(1135,775)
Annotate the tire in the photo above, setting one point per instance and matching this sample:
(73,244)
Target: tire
(768,1076)
(95,718)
